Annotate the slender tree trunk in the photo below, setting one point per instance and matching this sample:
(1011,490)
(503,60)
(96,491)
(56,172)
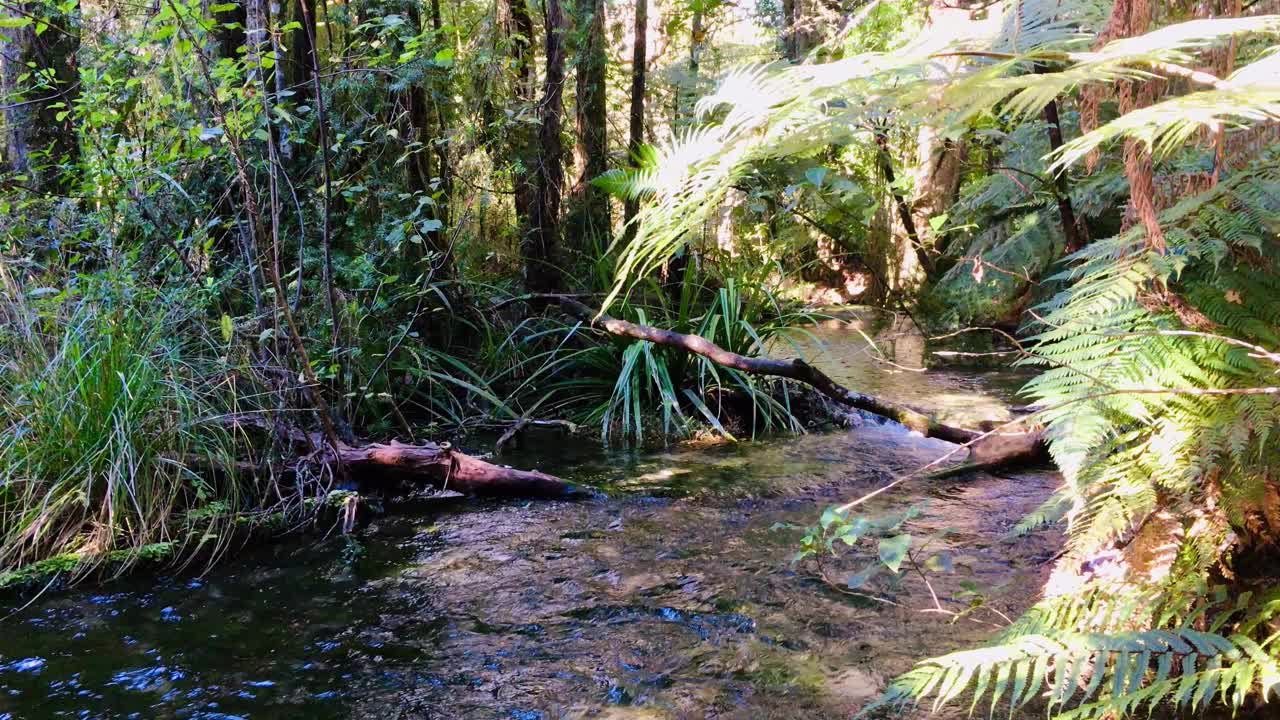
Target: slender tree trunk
(302,51)
(37,141)
(685,97)
(674,270)
(589,219)
(442,113)
(541,239)
(1072,229)
(789,30)
(520,147)
(697,41)
(428,165)
(419,167)
(639,60)
(279,79)
(326,232)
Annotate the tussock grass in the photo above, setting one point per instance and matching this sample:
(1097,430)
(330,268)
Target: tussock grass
(637,391)
(102,454)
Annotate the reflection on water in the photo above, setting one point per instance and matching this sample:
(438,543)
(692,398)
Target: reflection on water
(672,597)
(875,353)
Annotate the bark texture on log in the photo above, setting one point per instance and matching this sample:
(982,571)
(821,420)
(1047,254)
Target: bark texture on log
(437,464)
(447,469)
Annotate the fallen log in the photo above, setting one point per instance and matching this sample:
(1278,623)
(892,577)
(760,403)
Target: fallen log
(998,452)
(446,469)
(439,465)
(993,451)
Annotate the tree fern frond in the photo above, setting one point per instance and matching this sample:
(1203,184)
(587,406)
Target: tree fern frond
(1167,126)
(1032,24)
(1120,671)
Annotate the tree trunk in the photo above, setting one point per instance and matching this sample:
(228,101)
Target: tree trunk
(523,148)
(279,80)
(332,306)
(1073,230)
(687,90)
(229,32)
(302,48)
(541,239)
(39,127)
(427,168)
(799,29)
(789,10)
(939,169)
(589,218)
(443,166)
(939,165)
(639,59)
(911,236)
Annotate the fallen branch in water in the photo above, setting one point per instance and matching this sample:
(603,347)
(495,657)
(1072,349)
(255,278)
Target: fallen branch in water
(440,465)
(447,469)
(522,424)
(988,450)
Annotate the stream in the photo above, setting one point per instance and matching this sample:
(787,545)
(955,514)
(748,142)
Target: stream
(671,595)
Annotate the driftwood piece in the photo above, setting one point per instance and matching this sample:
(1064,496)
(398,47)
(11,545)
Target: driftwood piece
(523,424)
(437,464)
(992,451)
(447,469)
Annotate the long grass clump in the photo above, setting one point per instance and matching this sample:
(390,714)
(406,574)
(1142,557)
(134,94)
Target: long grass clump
(103,454)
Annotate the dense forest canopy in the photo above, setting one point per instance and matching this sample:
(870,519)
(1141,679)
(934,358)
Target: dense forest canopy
(263,260)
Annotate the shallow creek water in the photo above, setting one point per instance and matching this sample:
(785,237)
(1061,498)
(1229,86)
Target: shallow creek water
(670,596)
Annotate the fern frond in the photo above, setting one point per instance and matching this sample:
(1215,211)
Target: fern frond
(1103,673)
